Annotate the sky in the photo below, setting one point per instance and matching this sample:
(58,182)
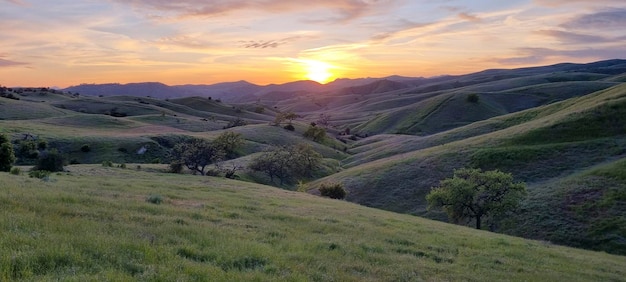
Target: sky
(69,42)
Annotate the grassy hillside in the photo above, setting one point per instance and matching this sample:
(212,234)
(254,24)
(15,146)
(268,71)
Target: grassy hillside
(97,223)
(537,146)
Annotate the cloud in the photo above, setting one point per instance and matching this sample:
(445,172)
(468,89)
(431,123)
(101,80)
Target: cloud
(262,44)
(17,2)
(539,55)
(399,27)
(606,19)
(468,17)
(9,63)
(185,41)
(555,3)
(344,10)
(572,37)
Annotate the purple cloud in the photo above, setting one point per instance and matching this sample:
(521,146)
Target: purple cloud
(344,10)
(9,63)
(572,37)
(530,55)
(607,19)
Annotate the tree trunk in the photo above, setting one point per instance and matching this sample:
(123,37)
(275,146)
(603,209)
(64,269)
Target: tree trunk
(478,222)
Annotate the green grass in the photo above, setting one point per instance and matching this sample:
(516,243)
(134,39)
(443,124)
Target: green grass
(95,224)
(584,210)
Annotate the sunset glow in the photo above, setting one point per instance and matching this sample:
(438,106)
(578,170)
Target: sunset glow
(66,42)
(318,71)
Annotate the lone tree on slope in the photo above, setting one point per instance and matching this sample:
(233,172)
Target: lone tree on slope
(474,194)
(197,154)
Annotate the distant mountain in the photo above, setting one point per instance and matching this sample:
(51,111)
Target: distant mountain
(377,86)
(152,89)
(239,91)
(243,91)
(227,91)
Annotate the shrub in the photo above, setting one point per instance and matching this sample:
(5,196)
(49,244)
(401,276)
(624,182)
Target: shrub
(51,161)
(41,174)
(289,127)
(155,199)
(107,164)
(333,190)
(85,148)
(472,98)
(42,145)
(122,150)
(176,167)
(156,161)
(7,156)
(122,165)
(315,133)
(16,171)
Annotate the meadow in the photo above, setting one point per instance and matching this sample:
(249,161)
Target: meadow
(95,223)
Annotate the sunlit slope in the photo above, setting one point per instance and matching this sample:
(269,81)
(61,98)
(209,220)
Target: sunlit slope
(443,110)
(95,223)
(536,145)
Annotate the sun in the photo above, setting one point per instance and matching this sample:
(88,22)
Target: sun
(318,71)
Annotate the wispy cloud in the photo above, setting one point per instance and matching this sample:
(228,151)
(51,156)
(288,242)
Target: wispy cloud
(17,2)
(572,37)
(540,55)
(468,17)
(342,10)
(10,63)
(556,3)
(606,19)
(262,44)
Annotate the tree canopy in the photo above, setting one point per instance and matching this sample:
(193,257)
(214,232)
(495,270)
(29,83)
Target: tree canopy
(286,162)
(474,194)
(197,154)
(7,156)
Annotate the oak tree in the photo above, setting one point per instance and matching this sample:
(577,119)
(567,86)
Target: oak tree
(474,194)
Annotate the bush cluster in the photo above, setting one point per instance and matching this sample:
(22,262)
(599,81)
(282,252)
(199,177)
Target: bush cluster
(333,190)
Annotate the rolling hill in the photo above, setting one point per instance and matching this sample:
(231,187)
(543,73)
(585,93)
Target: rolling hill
(99,223)
(559,128)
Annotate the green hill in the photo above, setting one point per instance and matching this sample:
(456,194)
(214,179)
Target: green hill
(537,145)
(96,223)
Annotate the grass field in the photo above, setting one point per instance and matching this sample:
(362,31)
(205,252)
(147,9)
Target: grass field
(96,223)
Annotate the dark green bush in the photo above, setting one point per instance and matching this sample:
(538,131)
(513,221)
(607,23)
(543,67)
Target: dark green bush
(107,164)
(176,167)
(51,161)
(16,171)
(333,190)
(289,127)
(155,199)
(85,148)
(41,174)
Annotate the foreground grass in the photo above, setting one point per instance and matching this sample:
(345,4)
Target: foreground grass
(95,223)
